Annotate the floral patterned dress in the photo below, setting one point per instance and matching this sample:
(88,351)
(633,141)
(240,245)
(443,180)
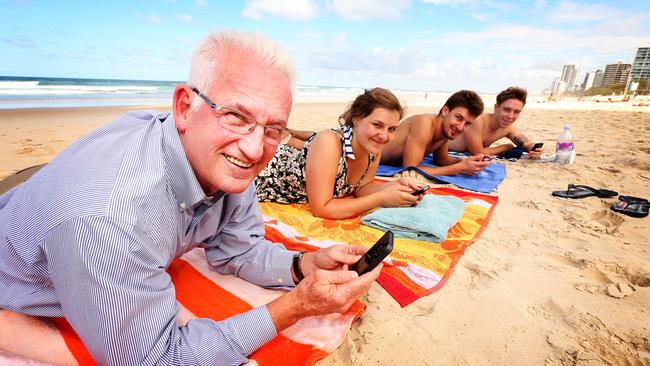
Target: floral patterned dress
(283,180)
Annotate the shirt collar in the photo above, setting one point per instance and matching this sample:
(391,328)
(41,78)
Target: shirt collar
(183,182)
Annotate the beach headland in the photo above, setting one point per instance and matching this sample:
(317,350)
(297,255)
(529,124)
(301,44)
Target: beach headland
(551,281)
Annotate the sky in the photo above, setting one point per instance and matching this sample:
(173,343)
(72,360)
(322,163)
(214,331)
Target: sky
(430,45)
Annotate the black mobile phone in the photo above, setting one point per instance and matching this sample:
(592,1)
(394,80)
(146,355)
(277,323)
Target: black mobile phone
(537,146)
(420,191)
(374,255)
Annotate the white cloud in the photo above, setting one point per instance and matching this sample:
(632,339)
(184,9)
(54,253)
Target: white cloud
(571,12)
(340,39)
(154,19)
(349,58)
(310,35)
(369,9)
(486,60)
(290,9)
(481,17)
(185,18)
(501,5)
(201,3)
(527,38)
(19,42)
(185,42)
(449,2)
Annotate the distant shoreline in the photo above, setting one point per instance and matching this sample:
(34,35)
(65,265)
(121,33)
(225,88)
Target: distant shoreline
(639,105)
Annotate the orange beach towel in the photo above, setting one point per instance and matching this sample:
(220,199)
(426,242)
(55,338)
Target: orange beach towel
(205,293)
(414,269)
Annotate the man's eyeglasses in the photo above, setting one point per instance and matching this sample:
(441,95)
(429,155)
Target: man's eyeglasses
(243,124)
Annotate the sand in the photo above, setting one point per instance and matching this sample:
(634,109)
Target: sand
(551,281)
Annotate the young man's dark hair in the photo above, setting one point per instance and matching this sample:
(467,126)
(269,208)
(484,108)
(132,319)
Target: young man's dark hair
(467,99)
(513,92)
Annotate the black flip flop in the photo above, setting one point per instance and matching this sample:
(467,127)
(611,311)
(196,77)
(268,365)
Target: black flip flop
(582,191)
(634,209)
(632,199)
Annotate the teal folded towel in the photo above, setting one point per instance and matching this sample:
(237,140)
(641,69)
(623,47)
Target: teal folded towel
(429,220)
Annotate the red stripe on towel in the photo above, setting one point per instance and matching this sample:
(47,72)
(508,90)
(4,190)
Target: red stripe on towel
(201,296)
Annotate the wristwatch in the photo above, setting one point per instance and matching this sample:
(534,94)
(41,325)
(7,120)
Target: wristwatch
(295,266)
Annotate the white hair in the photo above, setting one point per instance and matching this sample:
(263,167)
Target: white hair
(208,57)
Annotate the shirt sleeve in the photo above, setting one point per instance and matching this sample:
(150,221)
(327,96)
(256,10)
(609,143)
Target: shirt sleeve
(115,292)
(241,249)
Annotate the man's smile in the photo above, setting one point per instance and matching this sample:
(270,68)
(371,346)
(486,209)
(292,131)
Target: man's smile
(237,162)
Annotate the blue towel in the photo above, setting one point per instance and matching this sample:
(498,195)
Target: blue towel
(486,181)
(429,220)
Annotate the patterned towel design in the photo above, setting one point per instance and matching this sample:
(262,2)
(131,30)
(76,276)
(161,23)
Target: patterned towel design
(414,269)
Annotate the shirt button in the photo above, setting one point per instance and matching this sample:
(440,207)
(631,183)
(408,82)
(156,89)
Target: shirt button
(280,280)
(182,205)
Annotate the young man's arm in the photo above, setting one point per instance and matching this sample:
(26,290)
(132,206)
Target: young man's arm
(449,165)
(496,150)
(519,139)
(298,138)
(452,166)
(415,145)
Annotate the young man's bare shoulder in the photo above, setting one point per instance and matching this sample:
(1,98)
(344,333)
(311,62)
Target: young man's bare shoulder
(420,117)
(421,122)
(484,119)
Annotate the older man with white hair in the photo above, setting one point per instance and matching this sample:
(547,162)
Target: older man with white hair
(90,235)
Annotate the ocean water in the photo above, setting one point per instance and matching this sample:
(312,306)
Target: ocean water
(41,92)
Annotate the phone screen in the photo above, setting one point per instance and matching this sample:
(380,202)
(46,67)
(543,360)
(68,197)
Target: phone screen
(374,255)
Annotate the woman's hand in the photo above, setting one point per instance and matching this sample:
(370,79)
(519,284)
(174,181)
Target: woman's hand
(398,193)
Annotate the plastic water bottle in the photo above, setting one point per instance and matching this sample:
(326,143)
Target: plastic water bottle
(564,153)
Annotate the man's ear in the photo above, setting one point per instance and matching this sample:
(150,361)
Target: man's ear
(182,105)
(496,106)
(444,111)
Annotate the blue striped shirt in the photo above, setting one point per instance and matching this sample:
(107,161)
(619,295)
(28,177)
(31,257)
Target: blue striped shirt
(90,235)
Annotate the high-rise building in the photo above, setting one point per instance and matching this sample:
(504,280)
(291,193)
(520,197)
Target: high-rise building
(558,87)
(569,74)
(598,78)
(590,77)
(641,66)
(617,73)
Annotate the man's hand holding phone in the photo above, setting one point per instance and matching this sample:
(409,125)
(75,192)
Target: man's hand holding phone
(373,257)
(328,286)
(536,151)
(472,165)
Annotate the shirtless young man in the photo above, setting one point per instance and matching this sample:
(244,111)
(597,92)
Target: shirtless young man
(490,127)
(428,133)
